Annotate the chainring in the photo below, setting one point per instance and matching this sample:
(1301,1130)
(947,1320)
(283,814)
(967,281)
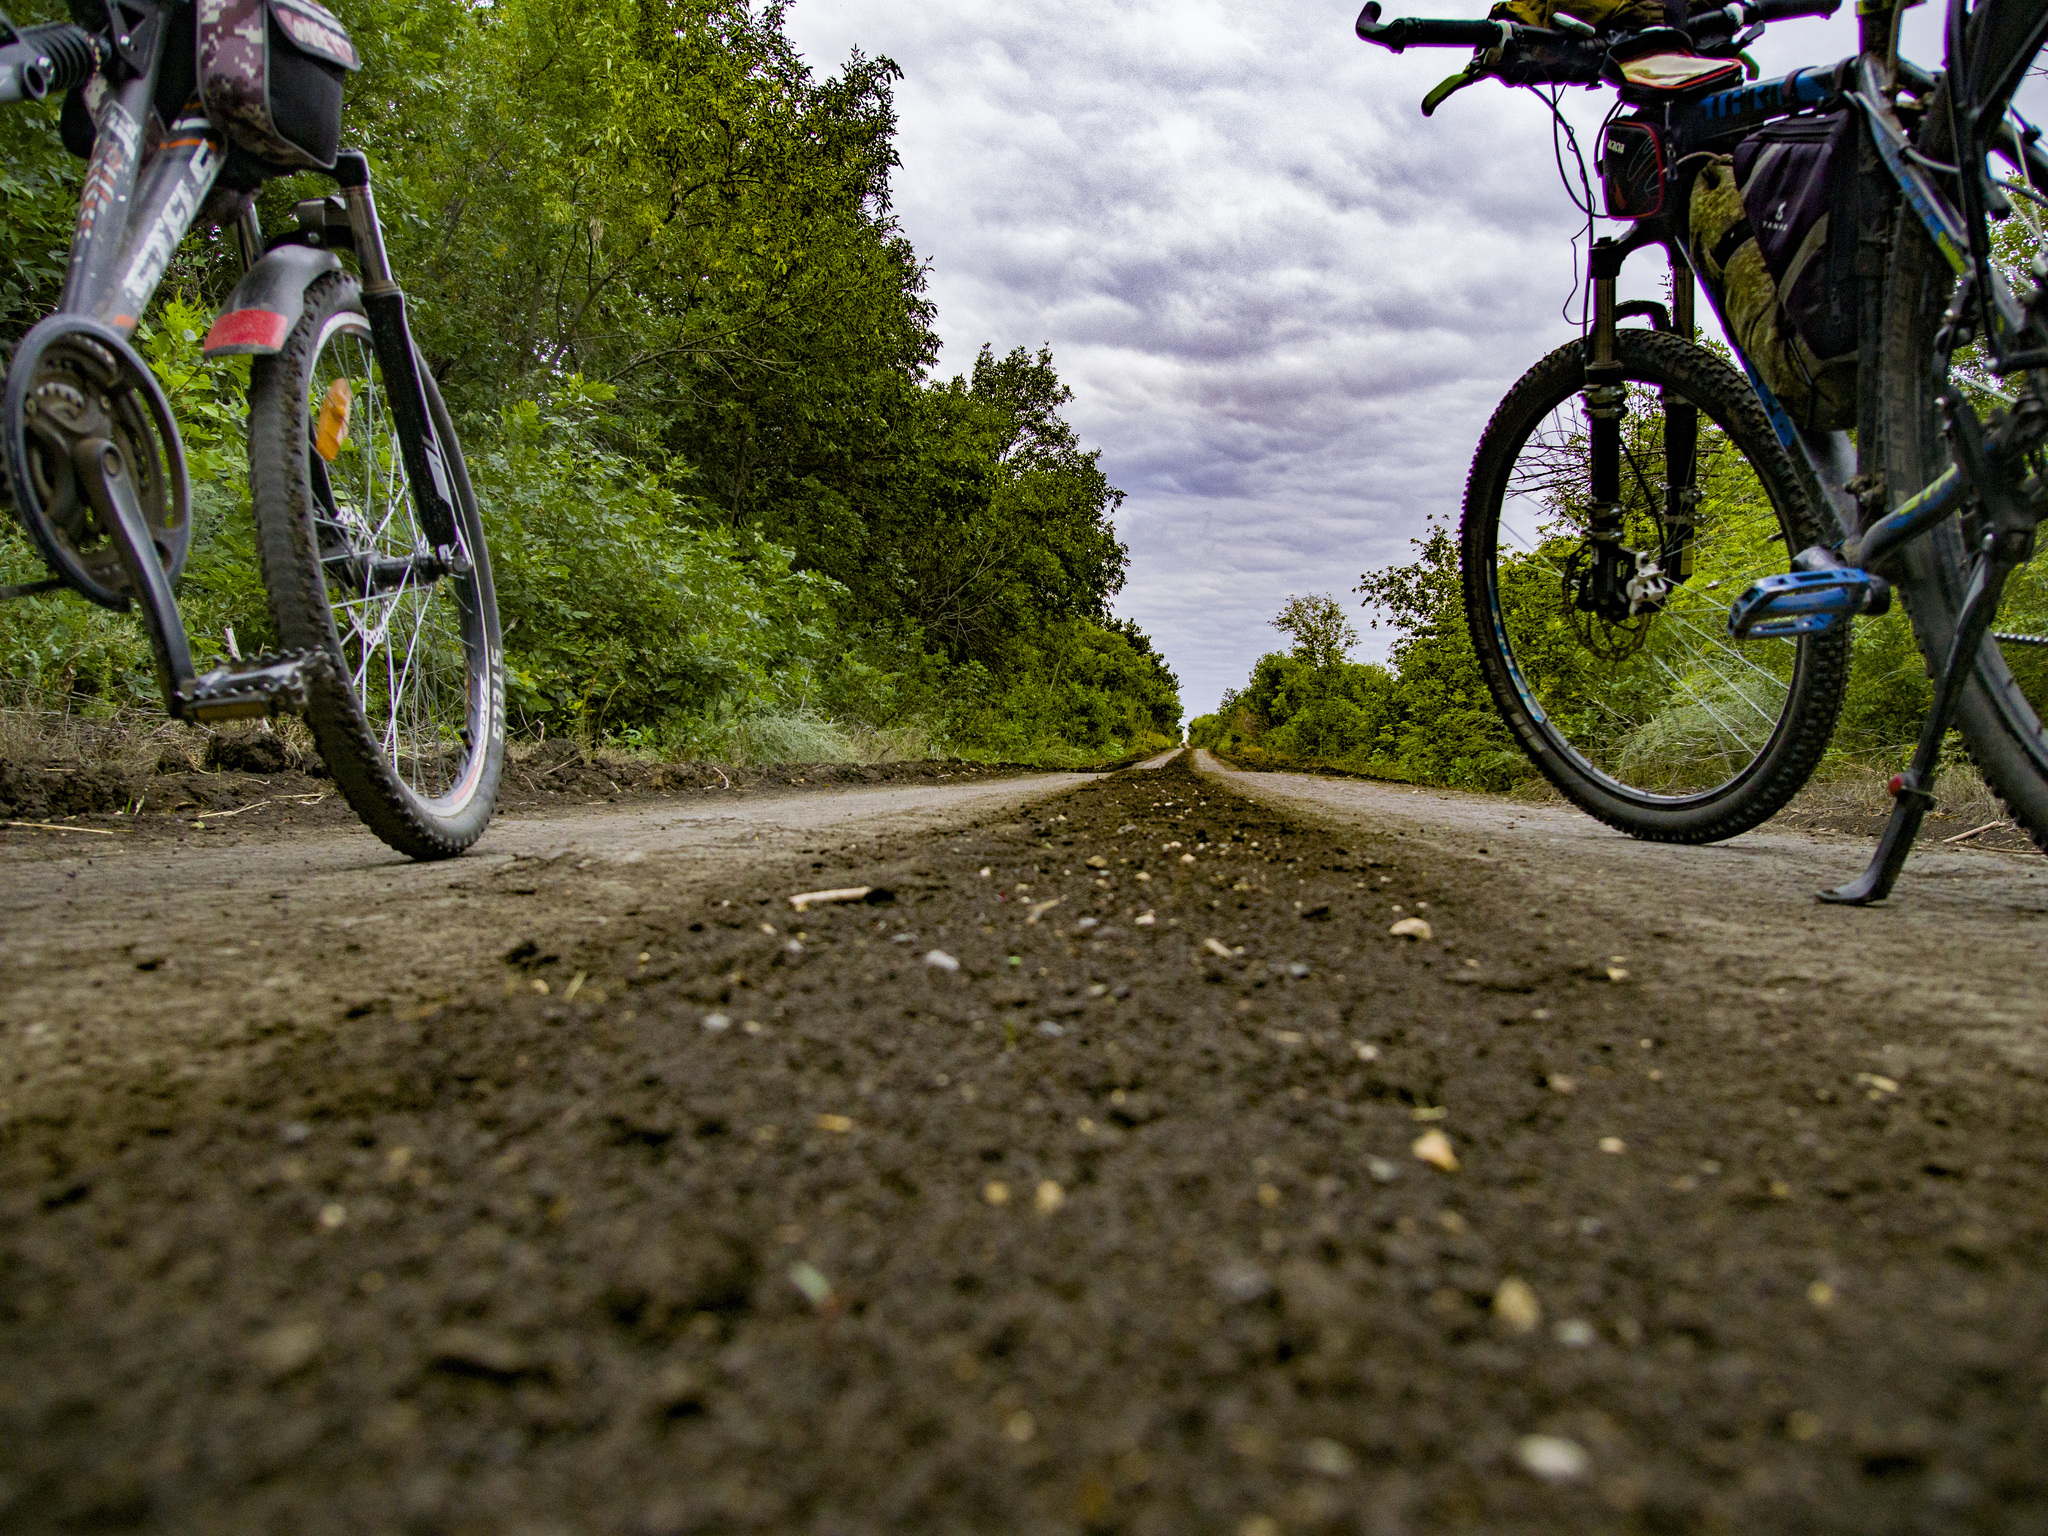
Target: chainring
(72,379)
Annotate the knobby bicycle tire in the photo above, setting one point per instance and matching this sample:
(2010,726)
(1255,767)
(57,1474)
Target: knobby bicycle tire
(409,712)
(2000,713)
(1758,719)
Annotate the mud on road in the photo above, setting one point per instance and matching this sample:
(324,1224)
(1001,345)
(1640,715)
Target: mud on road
(1119,1171)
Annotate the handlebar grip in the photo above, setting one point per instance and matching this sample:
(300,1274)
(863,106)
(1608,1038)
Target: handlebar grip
(1417,32)
(1785,10)
(46,59)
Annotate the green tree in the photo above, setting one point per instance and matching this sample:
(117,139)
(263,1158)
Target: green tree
(1322,635)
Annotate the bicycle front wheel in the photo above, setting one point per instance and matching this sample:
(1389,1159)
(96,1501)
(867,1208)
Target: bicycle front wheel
(1602,633)
(411,714)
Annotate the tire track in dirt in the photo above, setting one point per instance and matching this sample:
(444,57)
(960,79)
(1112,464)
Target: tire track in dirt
(1123,1173)
(161,953)
(1951,964)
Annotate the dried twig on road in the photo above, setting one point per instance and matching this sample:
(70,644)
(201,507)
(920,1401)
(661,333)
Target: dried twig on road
(51,826)
(256,805)
(1964,837)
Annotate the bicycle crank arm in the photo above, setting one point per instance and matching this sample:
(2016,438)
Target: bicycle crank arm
(268,686)
(103,476)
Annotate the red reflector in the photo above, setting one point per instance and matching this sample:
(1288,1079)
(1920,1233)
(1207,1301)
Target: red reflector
(247,330)
(1897,783)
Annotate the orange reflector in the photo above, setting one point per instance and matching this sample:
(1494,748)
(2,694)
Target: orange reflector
(332,431)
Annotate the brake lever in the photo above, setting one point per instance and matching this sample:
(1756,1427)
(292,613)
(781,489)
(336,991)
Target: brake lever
(1443,90)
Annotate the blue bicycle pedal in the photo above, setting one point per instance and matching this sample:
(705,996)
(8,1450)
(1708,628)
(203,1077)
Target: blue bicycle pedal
(1801,603)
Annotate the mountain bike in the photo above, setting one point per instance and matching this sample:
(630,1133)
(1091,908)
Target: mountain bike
(371,548)
(1632,483)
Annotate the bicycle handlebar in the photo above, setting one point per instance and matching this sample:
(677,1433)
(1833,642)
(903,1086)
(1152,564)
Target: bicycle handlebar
(1422,32)
(46,59)
(1571,37)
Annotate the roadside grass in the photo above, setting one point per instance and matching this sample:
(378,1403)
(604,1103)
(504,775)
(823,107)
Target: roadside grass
(39,726)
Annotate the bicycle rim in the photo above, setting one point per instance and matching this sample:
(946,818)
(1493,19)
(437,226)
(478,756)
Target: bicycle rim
(1648,715)
(411,648)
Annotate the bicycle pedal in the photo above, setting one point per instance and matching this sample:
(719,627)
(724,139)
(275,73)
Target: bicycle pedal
(269,685)
(1802,603)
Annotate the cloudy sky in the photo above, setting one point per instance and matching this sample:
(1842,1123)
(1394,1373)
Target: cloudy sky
(1285,301)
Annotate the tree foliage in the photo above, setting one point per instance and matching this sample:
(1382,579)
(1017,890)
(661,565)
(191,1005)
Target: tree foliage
(654,266)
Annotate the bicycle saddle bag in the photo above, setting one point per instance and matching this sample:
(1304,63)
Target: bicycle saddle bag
(1797,187)
(270,77)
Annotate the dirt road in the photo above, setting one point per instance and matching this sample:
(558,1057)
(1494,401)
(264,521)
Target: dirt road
(1118,1170)
(1954,969)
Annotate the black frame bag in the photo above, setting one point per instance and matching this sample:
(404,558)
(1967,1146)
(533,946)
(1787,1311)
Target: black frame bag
(1797,179)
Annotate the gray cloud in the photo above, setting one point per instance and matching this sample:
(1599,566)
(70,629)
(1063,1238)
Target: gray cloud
(1285,301)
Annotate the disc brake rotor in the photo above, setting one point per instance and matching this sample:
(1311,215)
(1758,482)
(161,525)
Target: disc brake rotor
(1611,638)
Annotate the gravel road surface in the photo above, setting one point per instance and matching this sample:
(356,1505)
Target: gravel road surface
(1114,1166)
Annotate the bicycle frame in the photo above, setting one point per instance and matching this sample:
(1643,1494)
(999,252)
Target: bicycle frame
(1987,456)
(138,202)
(1986,51)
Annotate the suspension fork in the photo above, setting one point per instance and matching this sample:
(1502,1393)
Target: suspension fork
(1605,397)
(1603,586)
(1681,440)
(426,466)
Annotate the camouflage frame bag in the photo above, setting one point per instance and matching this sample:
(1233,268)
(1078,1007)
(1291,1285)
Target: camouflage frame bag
(270,77)
(1772,238)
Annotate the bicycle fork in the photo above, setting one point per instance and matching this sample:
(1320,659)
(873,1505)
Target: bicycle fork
(1617,586)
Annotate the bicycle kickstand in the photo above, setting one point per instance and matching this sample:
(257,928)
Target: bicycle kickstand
(2009,545)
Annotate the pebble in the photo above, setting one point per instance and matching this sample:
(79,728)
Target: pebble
(1049,1029)
(1613,1144)
(811,1280)
(996,1192)
(1096,861)
(294,1132)
(471,1349)
(1241,1281)
(1416,928)
(1575,1333)
(939,960)
(1049,1198)
(1217,947)
(1434,1148)
(1145,919)
(839,1125)
(1516,1307)
(717,1023)
(1384,1169)
(1553,1458)
(333,1216)
(285,1350)
(1327,1457)
(1187,858)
